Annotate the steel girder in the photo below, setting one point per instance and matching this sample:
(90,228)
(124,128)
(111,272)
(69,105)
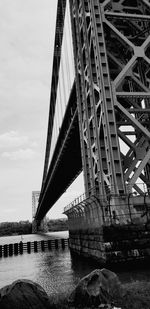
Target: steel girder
(61,7)
(112,57)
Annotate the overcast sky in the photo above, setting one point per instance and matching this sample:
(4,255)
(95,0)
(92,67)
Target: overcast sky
(26,50)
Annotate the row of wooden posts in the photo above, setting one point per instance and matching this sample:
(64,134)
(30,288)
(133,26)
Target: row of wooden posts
(32,246)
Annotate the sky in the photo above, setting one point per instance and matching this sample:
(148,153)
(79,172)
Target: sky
(27,31)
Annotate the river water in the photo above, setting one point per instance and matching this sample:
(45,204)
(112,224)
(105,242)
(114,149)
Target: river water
(56,270)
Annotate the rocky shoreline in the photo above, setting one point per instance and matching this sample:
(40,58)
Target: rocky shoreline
(99,289)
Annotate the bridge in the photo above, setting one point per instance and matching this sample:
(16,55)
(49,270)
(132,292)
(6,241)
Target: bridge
(99,123)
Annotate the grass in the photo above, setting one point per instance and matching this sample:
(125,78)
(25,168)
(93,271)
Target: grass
(136,296)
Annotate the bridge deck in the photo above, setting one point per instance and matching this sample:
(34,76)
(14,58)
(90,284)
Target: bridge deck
(66,157)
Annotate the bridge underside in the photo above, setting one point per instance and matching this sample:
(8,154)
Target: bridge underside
(66,163)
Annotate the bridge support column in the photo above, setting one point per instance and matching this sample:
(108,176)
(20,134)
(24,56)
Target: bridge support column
(43,226)
(116,232)
(86,230)
(39,226)
(35,225)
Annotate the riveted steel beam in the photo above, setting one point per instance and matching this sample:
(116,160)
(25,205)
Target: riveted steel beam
(112,56)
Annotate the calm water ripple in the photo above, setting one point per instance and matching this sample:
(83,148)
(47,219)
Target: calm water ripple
(56,271)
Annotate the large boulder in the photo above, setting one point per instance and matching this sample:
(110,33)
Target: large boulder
(97,288)
(23,294)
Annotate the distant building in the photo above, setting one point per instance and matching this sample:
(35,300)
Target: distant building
(35,200)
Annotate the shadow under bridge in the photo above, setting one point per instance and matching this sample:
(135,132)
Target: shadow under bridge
(66,163)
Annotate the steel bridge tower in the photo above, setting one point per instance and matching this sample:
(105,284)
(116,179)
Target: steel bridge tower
(111,42)
(112,61)
(111,45)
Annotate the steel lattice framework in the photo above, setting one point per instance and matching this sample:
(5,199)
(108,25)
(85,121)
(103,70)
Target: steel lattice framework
(111,103)
(112,60)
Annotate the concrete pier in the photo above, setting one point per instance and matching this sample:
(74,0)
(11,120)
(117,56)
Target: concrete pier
(112,232)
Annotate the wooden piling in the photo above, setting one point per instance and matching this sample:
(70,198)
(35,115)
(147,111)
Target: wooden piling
(49,244)
(63,243)
(21,247)
(29,247)
(16,248)
(5,250)
(42,245)
(56,243)
(10,249)
(35,246)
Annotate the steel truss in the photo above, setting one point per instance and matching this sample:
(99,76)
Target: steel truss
(112,59)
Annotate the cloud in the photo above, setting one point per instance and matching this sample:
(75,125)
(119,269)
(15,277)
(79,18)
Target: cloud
(9,210)
(12,139)
(21,154)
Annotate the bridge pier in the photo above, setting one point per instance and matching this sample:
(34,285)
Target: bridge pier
(35,225)
(85,229)
(112,232)
(39,226)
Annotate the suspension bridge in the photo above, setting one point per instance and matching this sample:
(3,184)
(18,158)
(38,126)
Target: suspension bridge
(99,123)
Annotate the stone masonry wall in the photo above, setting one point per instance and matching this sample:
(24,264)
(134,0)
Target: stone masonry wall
(112,244)
(125,243)
(88,243)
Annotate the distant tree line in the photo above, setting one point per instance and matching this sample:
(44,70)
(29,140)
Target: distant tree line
(57,225)
(15,228)
(25,227)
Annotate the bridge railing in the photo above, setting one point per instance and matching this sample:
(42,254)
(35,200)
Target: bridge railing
(81,198)
(75,202)
(131,208)
(135,209)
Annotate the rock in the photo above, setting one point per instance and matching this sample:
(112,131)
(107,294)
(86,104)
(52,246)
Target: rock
(23,294)
(99,287)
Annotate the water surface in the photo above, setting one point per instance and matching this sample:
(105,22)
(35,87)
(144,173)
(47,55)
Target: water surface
(56,270)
